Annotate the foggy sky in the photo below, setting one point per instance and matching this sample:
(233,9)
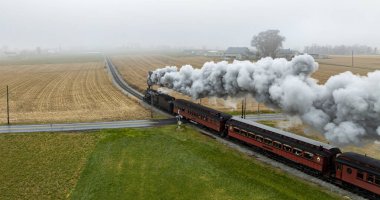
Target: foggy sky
(186,23)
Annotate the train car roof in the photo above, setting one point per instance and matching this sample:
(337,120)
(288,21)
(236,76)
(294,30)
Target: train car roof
(208,110)
(360,161)
(285,133)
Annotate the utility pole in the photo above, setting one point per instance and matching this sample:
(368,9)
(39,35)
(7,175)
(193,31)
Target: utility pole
(7,104)
(258,108)
(245,106)
(151,105)
(242,108)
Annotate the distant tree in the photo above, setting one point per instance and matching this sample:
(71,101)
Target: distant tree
(340,49)
(268,42)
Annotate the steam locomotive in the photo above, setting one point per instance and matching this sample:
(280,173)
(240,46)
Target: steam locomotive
(352,171)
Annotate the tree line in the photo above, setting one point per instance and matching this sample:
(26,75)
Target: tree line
(269,42)
(340,49)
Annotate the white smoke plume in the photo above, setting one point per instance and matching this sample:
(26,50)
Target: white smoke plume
(346,108)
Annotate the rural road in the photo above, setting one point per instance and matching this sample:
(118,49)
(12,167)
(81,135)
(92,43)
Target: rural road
(265,117)
(110,125)
(84,126)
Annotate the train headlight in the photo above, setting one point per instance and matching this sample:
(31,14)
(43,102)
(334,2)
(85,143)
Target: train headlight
(318,159)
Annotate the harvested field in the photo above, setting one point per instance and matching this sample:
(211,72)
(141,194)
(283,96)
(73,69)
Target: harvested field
(338,64)
(63,92)
(134,68)
(360,61)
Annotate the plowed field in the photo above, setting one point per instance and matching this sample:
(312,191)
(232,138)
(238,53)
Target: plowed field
(66,92)
(338,64)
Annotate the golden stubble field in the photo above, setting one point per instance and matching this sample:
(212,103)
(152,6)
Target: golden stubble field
(63,92)
(134,69)
(338,64)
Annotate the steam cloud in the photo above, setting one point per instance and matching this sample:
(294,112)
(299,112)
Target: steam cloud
(346,108)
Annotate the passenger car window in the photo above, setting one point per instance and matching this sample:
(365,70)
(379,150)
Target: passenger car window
(370,178)
(287,148)
(298,152)
(244,133)
(349,170)
(251,135)
(308,155)
(268,141)
(259,138)
(360,175)
(377,180)
(277,145)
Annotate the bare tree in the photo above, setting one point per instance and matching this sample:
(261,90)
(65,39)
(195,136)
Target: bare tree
(268,42)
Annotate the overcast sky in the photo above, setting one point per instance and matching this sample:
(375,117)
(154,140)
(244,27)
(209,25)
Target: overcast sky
(192,23)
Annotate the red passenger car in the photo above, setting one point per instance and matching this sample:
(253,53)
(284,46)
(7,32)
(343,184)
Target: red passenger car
(205,116)
(354,169)
(312,155)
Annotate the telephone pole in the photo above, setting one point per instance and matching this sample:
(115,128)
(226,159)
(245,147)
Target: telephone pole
(258,108)
(151,105)
(243,107)
(7,105)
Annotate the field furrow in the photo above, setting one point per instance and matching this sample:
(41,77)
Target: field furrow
(63,92)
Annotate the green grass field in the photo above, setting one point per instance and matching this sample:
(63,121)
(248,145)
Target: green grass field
(149,163)
(166,163)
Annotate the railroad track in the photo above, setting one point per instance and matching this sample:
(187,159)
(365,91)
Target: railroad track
(119,80)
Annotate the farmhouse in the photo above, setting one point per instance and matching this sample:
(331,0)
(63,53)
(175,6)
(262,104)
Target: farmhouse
(238,53)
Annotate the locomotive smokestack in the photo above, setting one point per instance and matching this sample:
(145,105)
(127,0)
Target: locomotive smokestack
(346,108)
(148,82)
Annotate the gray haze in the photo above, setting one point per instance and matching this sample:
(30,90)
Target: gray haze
(186,23)
(346,108)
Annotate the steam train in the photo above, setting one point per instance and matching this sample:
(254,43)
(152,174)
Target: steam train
(352,171)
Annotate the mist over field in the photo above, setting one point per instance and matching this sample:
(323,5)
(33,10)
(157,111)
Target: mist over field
(192,24)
